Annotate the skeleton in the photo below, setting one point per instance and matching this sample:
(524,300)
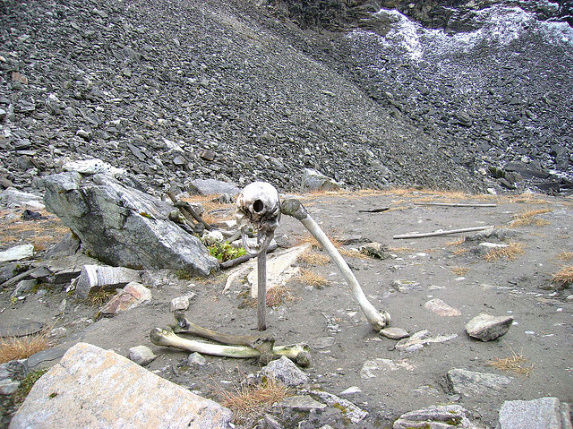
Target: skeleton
(259,205)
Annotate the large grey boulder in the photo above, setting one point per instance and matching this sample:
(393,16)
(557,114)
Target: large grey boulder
(95,388)
(122,226)
(313,180)
(212,187)
(543,413)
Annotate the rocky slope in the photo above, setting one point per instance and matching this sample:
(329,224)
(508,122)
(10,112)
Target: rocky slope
(178,90)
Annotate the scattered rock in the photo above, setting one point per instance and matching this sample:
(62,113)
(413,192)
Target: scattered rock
(181,303)
(141,355)
(196,359)
(212,187)
(312,180)
(349,410)
(131,296)
(11,198)
(301,403)
(543,413)
(92,387)
(374,250)
(394,333)
(435,417)
(442,309)
(470,383)
(352,390)
(420,339)
(405,286)
(17,253)
(95,277)
(122,226)
(487,328)
(21,329)
(373,368)
(285,371)
(23,287)
(93,166)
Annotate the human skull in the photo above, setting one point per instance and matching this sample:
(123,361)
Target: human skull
(259,204)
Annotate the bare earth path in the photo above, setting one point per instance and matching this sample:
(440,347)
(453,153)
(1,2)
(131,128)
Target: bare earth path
(326,318)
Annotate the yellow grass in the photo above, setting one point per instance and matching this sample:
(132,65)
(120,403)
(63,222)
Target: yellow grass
(314,258)
(313,279)
(515,363)
(564,277)
(277,296)
(512,251)
(457,242)
(211,208)
(528,198)
(529,218)
(460,271)
(459,252)
(22,347)
(565,256)
(252,401)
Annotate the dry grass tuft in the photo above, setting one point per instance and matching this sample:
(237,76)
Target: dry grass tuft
(512,251)
(251,401)
(516,364)
(460,271)
(528,198)
(458,242)
(314,258)
(213,209)
(99,297)
(529,218)
(313,279)
(565,256)
(277,296)
(22,347)
(460,251)
(564,277)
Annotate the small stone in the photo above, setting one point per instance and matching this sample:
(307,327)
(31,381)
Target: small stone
(374,367)
(394,333)
(196,359)
(405,286)
(141,355)
(207,155)
(17,253)
(7,387)
(470,383)
(441,416)
(179,161)
(131,296)
(301,403)
(315,181)
(487,328)
(374,250)
(351,411)
(181,303)
(86,135)
(351,391)
(442,309)
(543,413)
(23,287)
(285,371)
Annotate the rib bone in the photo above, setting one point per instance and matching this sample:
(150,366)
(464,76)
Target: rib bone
(299,353)
(294,208)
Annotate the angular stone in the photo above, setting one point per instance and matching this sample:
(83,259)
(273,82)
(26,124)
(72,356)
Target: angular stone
(543,413)
(279,269)
(470,383)
(21,329)
(212,187)
(374,250)
(12,198)
(420,339)
(122,226)
(487,328)
(94,277)
(181,303)
(350,410)
(313,180)
(196,359)
(394,333)
(92,166)
(23,287)
(17,253)
(301,403)
(131,296)
(375,367)
(7,387)
(141,355)
(92,387)
(405,286)
(285,371)
(442,309)
(435,417)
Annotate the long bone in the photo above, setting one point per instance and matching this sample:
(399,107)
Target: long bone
(259,204)
(299,353)
(293,207)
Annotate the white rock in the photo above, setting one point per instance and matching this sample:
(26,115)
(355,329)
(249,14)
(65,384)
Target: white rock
(92,387)
(486,328)
(181,303)
(141,355)
(17,252)
(440,308)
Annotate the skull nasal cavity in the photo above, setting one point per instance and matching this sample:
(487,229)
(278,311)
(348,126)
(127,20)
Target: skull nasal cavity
(258,206)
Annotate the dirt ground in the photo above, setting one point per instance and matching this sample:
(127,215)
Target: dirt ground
(330,322)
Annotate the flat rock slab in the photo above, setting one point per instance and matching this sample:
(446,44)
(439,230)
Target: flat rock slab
(129,297)
(421,338)
(92,387)
(487,328)
(436,417)
(442,309)
(16,253)
(543,413)
(375,367)
(470,383)
(212,186)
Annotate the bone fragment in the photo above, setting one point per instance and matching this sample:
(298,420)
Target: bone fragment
(294,208)
(299,353)
(188,211)
(438,233)
(261,286)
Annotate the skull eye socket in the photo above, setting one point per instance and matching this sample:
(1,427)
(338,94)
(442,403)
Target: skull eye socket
(258,206)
